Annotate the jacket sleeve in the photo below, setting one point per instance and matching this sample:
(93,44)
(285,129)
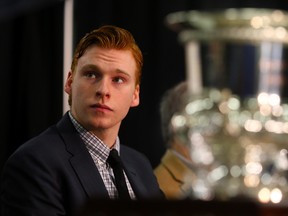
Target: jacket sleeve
(30,187)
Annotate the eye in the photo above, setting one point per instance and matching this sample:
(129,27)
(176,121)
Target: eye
(119,80)
(90,75)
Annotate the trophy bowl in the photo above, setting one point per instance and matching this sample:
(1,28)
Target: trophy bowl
(235,117)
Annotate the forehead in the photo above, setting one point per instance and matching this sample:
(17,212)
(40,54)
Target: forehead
(108,57)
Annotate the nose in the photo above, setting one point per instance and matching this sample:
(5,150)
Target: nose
(103,88)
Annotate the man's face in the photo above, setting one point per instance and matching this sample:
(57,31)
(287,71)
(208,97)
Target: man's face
(103,88)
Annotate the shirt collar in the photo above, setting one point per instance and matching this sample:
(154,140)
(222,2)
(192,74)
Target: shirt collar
(95,146)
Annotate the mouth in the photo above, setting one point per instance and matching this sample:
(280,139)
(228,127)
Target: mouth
(101,107)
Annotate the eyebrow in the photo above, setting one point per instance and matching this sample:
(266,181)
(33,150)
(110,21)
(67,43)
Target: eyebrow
(89,67)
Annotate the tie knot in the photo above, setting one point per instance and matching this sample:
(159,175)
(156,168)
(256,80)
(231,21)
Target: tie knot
(113,158)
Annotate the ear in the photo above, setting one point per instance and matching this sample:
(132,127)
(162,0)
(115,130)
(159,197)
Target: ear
(136,97)
(68,83)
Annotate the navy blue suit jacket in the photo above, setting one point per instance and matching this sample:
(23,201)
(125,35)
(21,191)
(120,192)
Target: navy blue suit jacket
(54,174)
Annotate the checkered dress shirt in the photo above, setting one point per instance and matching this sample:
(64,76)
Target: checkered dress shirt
(99,153)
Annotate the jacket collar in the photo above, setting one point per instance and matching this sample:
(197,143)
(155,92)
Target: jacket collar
(80,160)
(180,171)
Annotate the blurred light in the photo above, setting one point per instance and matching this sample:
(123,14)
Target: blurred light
(266,179)
(263,98)
(277,16)
(253,153)
(277,111)
(280,32)
(257,22)
(194,106)
(274,99)
(285,127)
(282,160)
(223,107)
(253,125)
(215,95)
(243,117)
(217,119)
(253,168)
(251,180)
(233,103)
(274,126)
(201,190)
(268,32)
(235,171)
(233,129)
(285,109)
(207,103)
(265,109)
(178,121)
(264,195)
(201,153)
(258,116)
(233,116)
(218,173)
(276,195)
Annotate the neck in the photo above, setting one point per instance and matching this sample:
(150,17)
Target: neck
(107,136)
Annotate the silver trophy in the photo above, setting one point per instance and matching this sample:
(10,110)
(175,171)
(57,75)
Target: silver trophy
(235,118)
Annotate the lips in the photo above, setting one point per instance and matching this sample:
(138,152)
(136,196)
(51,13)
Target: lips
(101,107)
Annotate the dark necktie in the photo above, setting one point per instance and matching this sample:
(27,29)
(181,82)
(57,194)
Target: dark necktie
(116,164)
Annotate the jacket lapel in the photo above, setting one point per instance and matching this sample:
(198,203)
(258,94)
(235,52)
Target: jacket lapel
(81,160)
(138,188)
(136,182)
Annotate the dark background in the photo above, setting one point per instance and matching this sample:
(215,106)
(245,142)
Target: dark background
(31,62)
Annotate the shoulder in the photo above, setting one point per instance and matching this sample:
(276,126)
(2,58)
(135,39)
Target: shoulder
(140,172)
(38,150)
(46,147)
(135,160)
(130,154)
(43,142)
(47,143)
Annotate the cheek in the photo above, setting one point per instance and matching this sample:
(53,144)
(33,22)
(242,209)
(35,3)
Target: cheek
(78,90)
(125,102)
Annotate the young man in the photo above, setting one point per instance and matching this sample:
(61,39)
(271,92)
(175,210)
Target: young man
(56,172)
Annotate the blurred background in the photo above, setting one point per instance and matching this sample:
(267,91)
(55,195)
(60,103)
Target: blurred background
(31,62)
